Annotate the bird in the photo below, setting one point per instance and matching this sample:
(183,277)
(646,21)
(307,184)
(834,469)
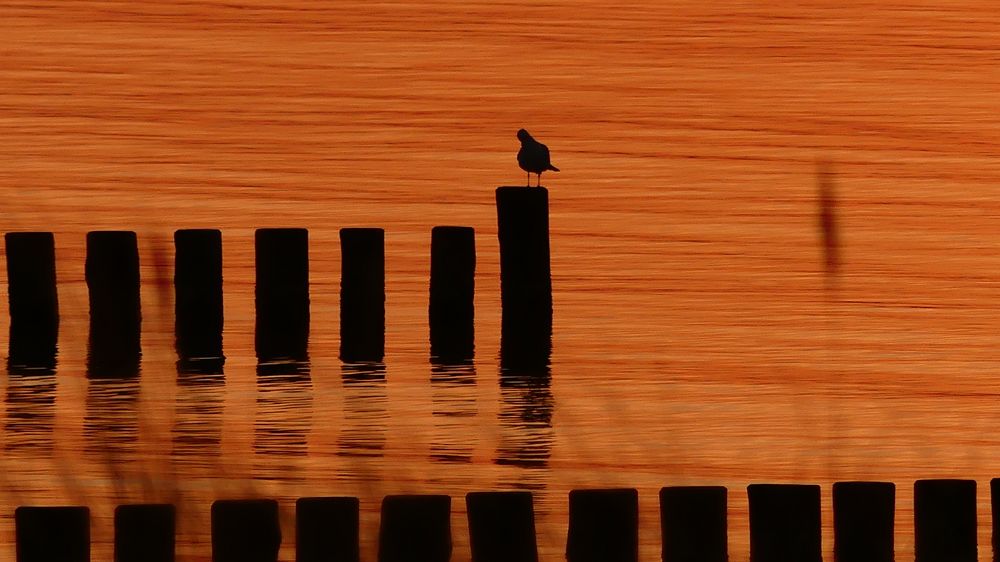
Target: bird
(533,156)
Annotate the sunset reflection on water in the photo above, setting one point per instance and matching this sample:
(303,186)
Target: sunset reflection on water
(695,339)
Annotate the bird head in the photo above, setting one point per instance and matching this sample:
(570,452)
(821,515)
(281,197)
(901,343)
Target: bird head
(523,136)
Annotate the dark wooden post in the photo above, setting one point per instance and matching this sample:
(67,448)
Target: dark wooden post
(45,534)
(863,519)
(693,523)
(525,277)
(327,529)
(362,295)
(245,531)
(415,528)
(34,302)
(115,314)
(944,520)
(995,510)
(501,526)
(282,299)
(453,283)
(603,526)
(198,307)
(144,533)
(784,523)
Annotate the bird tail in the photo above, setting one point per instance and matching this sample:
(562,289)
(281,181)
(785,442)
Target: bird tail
(553,168)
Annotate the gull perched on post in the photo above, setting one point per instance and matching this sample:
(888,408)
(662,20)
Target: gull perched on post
(533,157)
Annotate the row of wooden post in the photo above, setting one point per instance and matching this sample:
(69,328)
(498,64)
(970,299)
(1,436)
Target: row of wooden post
(282,294)
(603,526)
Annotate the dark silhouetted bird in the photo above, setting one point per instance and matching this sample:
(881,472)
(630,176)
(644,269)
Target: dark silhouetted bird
(533,157)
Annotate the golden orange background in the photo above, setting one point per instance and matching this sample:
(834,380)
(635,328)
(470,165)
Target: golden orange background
(696,340)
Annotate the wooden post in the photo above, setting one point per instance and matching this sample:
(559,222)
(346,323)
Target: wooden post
(995,505)
(453,283)
(944,520)
(784,523)
(525,277)
(282,299)
(198,305)
(34,302)
(693,524)
(112,273)
(603,525)
(501,526)
(863,519)
(415,527)
(327,529)
(144,533)
(45,534)
(362,295)
(245,531)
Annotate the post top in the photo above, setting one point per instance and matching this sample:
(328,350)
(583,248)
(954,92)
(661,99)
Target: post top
(522,188)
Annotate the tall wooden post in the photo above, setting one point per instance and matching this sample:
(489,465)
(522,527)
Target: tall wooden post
(525,277)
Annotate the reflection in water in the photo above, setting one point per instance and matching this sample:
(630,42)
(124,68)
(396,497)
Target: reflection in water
(363,429)
(525,420)
(31,408)
(454,403)
(282,424)
(197,430)
(111,425)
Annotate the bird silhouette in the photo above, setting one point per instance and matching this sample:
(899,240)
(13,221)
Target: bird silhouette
(533,156)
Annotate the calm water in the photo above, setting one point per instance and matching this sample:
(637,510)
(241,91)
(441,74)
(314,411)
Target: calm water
(696,339)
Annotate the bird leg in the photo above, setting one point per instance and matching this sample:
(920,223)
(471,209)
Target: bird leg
(529,179)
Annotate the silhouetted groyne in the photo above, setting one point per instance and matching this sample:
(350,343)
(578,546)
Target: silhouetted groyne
(112,273)
(362,295)
(693,523)
(44,534)
(415,527)
(863,521)
(603,525)
(145,533)
(525,278)
(282,299)
(245,531)
(453,283)
(501,526)
(784,525)
(198,311)
(944,520)
(327,529)
(33,301)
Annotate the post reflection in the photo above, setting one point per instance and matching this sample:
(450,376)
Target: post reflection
(111,424)
(453,387)
(197,431)
(363,429)
(282,424)
(31,406)
(525,419)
